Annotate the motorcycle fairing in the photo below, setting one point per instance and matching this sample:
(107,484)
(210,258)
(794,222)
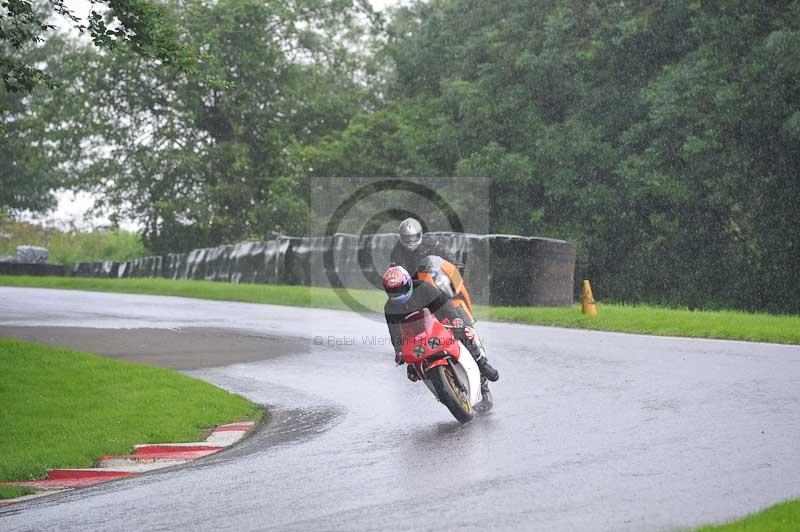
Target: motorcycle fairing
(419,328)
(425,337)
(467,373)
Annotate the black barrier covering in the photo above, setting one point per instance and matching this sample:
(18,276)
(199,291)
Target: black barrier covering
(304,260)
(152,266)
(242,261)
(174,266)
(498,269)
(149,266)
(96,269)
(345,250)
(374,254)
(518,269)
(275,254)
(21,268)
(217,263)
(552,273)
(195,264)
(295,261)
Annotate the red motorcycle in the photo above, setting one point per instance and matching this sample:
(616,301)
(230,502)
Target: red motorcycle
(435,354)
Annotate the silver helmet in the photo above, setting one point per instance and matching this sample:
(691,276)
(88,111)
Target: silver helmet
(410,233)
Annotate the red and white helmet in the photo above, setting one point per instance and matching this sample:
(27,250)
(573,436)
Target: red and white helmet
(398,284)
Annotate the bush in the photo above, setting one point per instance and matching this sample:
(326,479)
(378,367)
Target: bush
(73,245)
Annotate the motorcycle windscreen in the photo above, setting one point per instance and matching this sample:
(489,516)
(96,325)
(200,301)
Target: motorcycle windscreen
(440,273)
(416,323)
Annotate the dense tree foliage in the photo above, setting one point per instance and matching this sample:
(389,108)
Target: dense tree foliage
(138,25)
(32,149)
(30,54)
(199,161)
(662,137)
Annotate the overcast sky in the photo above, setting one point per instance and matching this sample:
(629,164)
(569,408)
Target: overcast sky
(73,207)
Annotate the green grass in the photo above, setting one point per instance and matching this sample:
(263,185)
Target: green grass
(783,517)
(12,492)
(731,325)
(294,296)
(62,408)
(725,324)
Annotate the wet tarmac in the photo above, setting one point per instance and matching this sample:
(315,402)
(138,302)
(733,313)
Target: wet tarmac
(590,431)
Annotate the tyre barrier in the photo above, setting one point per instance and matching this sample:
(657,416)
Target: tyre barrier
(38,269)
(498,269)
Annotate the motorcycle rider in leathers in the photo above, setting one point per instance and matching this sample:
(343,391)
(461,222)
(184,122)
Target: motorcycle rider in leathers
(415,246)
(407,296)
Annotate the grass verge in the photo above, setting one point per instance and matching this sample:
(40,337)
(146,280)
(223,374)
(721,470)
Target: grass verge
(63,408)
(12,492)
(724,324)
(294,296)
(783,517)
(730,325)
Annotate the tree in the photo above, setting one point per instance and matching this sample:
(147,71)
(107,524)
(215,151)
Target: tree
(661,137)
(32,150)
(27,176)
(31,145)
(200,161)
(720,153)
(139,25)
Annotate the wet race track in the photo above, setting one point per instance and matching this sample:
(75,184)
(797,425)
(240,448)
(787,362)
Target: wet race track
(590,431)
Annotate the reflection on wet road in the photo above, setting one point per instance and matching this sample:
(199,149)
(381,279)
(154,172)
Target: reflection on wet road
(590,431)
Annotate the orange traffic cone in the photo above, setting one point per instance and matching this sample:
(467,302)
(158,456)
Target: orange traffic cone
(589,306)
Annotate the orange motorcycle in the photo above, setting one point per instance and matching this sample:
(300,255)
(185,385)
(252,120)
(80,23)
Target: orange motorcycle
(445,276)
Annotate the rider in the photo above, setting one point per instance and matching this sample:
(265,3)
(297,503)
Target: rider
(407,296)
(415,246)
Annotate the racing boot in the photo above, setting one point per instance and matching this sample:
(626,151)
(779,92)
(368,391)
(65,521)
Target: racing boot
(483,364)
(487,370)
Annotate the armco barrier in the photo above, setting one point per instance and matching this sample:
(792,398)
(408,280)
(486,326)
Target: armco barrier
(498,269)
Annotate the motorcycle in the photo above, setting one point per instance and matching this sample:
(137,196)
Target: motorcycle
(446,277)
(436,355)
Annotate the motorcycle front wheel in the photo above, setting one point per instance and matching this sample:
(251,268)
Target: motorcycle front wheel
(451,393)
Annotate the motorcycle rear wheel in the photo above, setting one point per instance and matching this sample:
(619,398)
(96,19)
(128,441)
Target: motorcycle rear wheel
(451,393)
